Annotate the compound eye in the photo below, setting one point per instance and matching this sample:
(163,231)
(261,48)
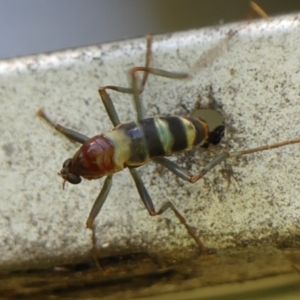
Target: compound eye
(74,179)
(66,162)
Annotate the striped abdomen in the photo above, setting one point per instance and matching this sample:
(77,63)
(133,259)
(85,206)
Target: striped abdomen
(135,143)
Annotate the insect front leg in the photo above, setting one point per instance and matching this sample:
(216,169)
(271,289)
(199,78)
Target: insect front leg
(168,204)
(69,133)
(80,138)
(99,201)
(95,211)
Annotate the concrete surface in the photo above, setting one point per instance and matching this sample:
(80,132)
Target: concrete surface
(250,71)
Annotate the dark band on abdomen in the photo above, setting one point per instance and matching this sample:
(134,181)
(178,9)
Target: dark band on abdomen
(139,151)
(177,130)
(152,138)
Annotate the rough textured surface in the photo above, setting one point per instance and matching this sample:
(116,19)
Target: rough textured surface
(250,71)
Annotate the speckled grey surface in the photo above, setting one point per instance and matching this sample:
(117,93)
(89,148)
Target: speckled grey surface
(251,70)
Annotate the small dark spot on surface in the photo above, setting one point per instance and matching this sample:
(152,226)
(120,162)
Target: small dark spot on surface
(87,101)
(232,71)
(8,149)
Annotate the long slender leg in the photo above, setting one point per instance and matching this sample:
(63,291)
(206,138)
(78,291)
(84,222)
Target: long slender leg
(99,201)
(93,214)
(148,60)
(135,90)
(108,104)
(72,134)
(185,175)
(69,133)
(168,204)
(178,171)
(223,156)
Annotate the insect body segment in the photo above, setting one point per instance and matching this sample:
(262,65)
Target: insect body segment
(134,144)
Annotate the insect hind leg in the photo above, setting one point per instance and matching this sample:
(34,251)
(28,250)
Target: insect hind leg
(168,204)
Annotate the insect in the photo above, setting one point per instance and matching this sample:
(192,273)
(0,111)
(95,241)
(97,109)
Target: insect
(133,144)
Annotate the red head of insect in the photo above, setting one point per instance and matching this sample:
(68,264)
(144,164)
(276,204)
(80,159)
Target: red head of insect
(93,160)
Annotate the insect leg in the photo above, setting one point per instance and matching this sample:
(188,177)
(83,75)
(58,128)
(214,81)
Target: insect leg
(69,133)
(174,168)
(150,207)
(95,211)
(99,201)
(72,134)
(185,175)
(137,91)
(108,104)
(148,59)
(223,156)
